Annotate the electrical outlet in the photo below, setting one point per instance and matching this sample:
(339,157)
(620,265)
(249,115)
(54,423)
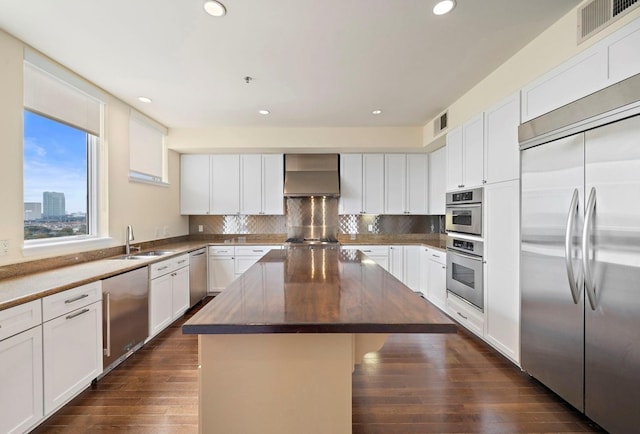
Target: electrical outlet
(200,228)
(370,227)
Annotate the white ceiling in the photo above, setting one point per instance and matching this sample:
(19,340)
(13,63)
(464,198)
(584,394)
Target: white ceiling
(313,63)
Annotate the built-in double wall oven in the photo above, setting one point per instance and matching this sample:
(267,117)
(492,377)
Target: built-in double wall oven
(464,246)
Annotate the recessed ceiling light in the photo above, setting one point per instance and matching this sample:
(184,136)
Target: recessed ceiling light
(376,112)
(144,99)
(215,8)
(264,112)
(444,7)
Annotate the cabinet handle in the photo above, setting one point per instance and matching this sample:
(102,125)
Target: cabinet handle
(174,274)
(460,185)
(444,268)
(73,300)
(435,256)
(257,251)
(182,262)
(484,181)
(462,315)
(366,251)
(72,316)
(107,351)
(163,268)
(222,251)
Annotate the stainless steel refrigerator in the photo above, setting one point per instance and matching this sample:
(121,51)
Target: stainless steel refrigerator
(580,254)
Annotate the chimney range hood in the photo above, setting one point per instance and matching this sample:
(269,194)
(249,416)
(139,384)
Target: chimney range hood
(308,175)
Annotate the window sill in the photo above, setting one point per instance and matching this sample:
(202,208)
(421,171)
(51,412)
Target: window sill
(149,182)
(62,247)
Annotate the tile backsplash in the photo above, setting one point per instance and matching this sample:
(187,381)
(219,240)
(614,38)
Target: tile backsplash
(347,224)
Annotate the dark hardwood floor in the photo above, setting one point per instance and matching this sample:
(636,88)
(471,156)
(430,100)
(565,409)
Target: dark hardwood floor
(414,384)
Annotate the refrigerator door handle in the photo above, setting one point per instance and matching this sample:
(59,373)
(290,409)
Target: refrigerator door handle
(573,282)
(588,278)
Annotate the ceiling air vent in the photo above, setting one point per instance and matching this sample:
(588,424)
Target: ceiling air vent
(598,14)
(440,124)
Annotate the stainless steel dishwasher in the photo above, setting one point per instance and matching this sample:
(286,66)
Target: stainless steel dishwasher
(125,316)
(197,276)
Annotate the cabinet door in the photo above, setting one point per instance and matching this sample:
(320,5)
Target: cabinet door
(221,272)
(417,183)
(180,292)
(351,184)
(72,349)
(21,379)
(473,152)
(251,184)
(242,263)
(437,181)
(502,154)
(396,262)
(160,304)
(273,184)
(502,217)
(194,184)
(454,159)
(373,183)
(412,267)
(624,56)
(225,184)
(395,184)
(437,283)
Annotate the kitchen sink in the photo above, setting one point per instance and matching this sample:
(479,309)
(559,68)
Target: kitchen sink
(125,257)
(154,253)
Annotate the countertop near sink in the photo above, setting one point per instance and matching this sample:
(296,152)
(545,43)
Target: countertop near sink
(23,289)
(18,290)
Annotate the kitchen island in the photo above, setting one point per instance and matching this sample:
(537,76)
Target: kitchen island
(277,347)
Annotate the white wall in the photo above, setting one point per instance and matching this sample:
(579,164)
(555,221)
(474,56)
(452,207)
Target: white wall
(146,207)
(344,139)
(551,48)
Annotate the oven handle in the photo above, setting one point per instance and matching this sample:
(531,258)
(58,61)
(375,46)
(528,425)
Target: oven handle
(573,282)
(464,255)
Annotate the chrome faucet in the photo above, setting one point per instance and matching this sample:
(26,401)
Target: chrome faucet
(128,238)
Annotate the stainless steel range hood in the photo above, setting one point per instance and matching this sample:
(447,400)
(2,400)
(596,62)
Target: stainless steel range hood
(308,175)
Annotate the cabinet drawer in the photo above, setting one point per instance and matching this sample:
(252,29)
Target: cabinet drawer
(253,250)
(164,267)
(64,302)
(437,256)
(465,314)
(221,251)
(371,250)
(20,318)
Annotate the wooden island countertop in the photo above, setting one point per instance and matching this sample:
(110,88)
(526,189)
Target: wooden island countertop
(278,346)
(320,290)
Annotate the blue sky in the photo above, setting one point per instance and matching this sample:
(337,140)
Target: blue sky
(55,159)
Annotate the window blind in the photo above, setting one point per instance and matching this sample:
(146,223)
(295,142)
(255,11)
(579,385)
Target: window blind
(54,92)
(146,147)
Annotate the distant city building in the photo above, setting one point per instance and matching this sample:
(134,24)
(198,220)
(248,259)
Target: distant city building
(53,204)
(32,211)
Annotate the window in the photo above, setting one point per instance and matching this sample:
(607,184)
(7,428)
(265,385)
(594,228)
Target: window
(147,152)
(62,122)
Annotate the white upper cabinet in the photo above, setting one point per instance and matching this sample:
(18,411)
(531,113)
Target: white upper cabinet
(273,184)
(362,183)
(437,181)
(465,154)
(624,52)
(417,183)
(251,184)
(373,183)
(502,153)
(395,183)
(225,184)
(194,184)
(351,183)
(261,189)
(406,183)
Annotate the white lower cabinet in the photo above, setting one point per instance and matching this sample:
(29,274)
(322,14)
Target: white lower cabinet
(378,254)
(246,256)
(501,273)
(72,345)
(21,390)
(465,314)
(411,265)
(396,262)
(221,267)
(433,279)
(168,292)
